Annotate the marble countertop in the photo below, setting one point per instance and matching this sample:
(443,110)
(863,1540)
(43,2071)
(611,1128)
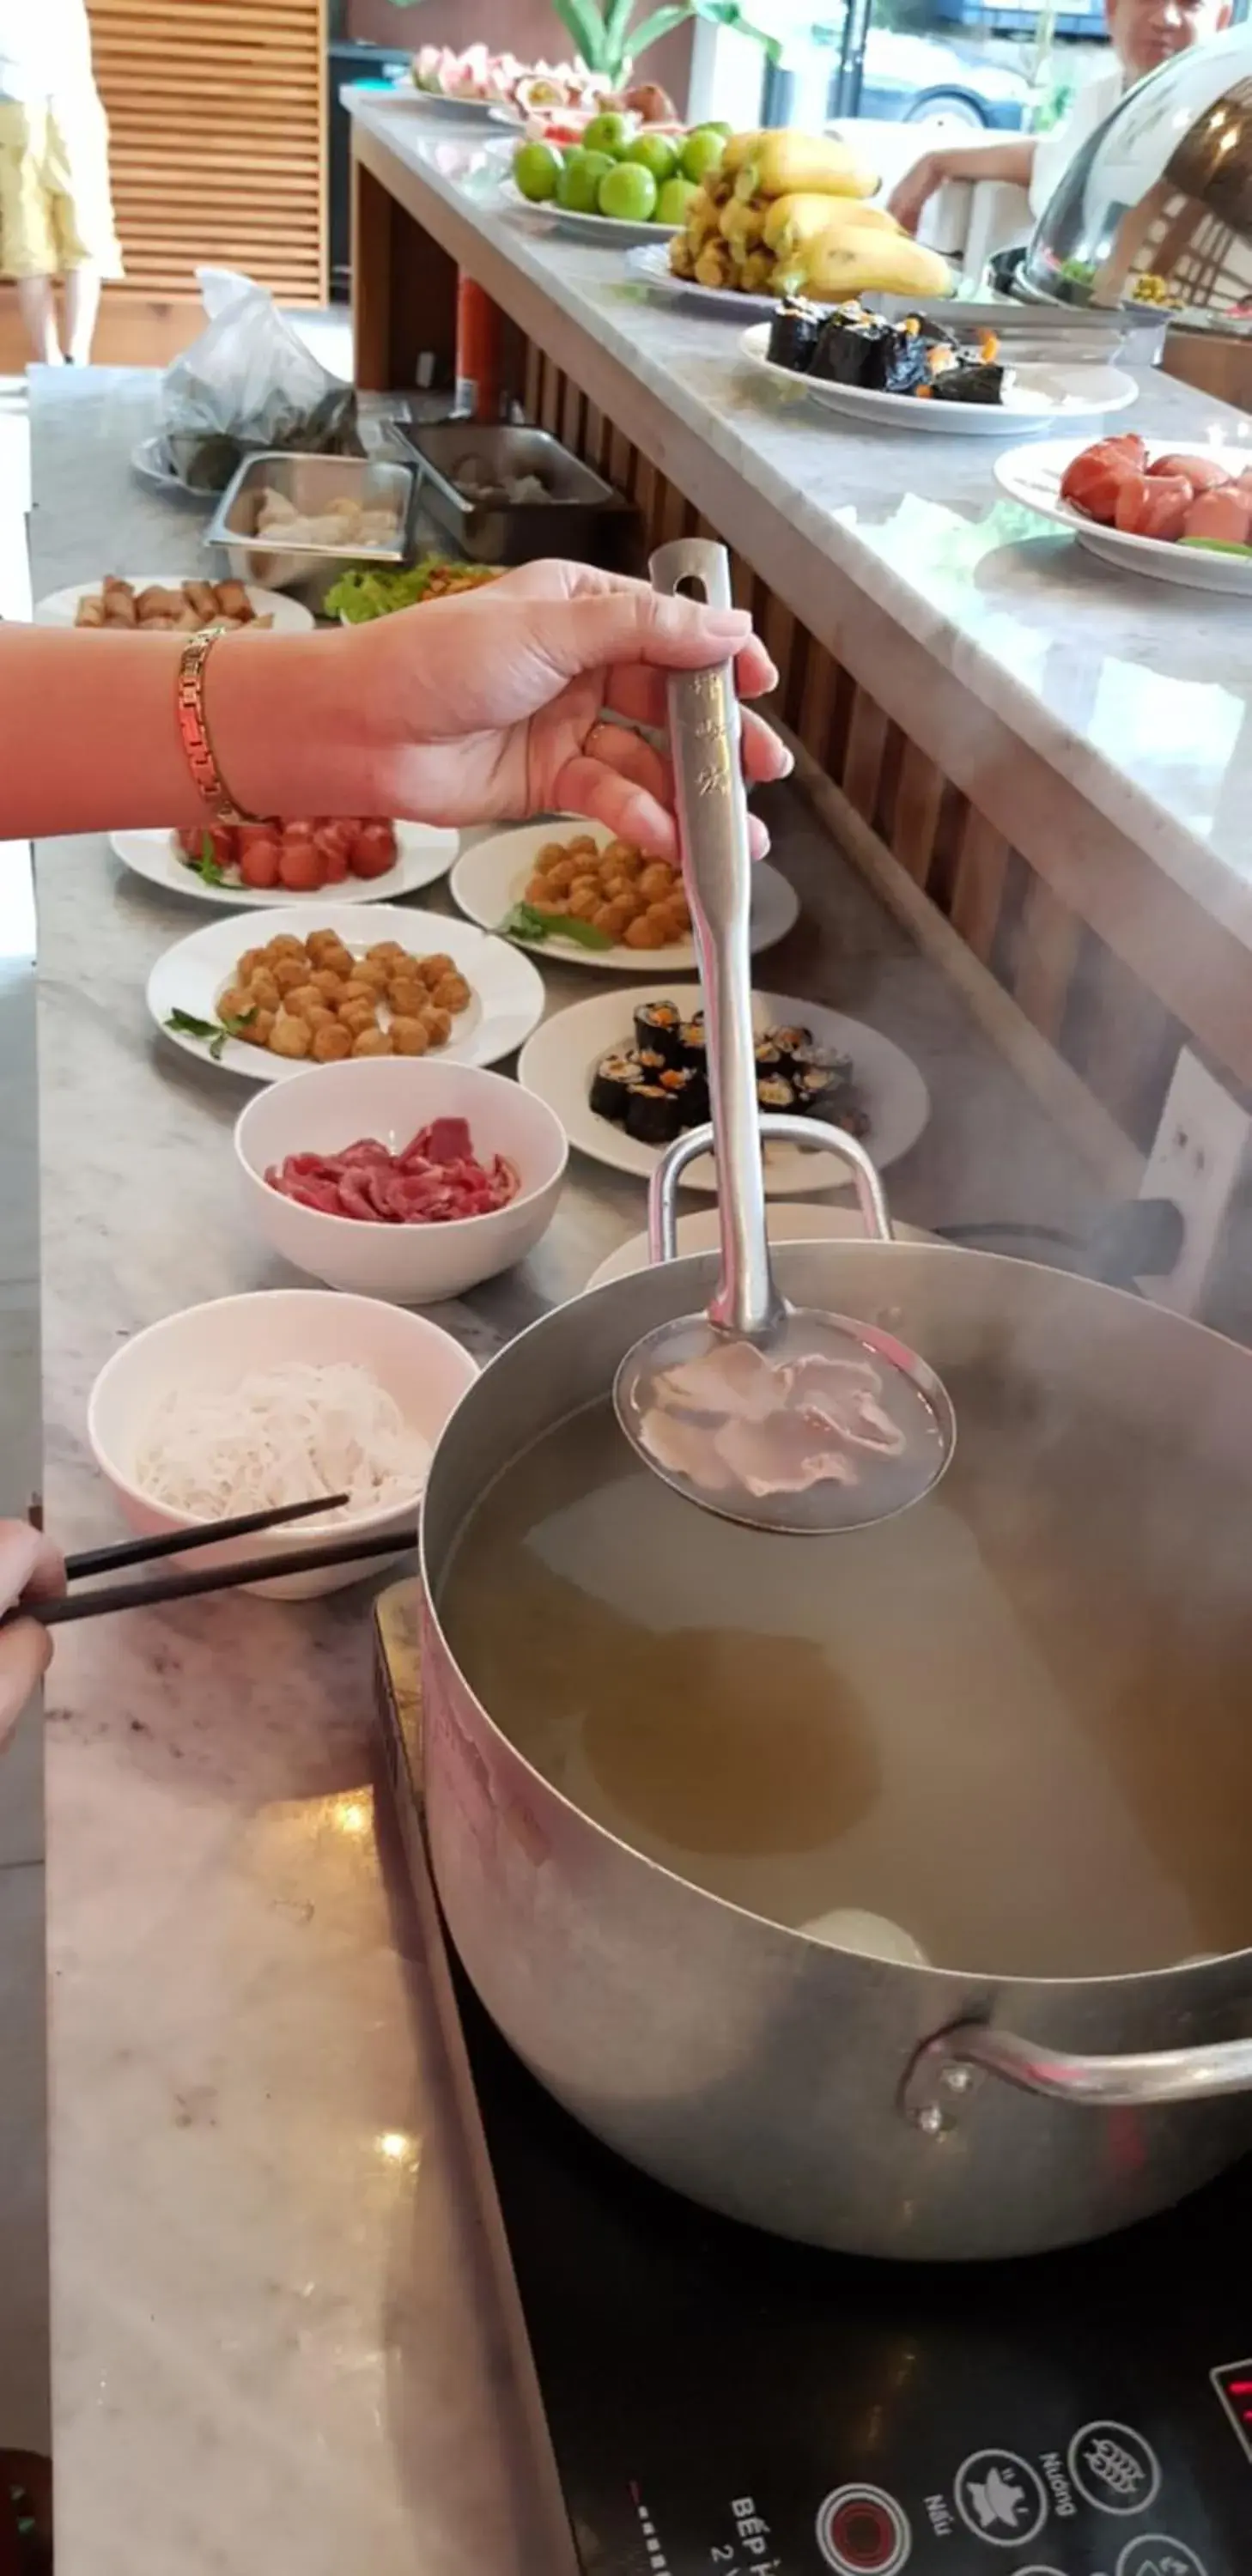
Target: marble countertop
(1140,693)
(275,2342)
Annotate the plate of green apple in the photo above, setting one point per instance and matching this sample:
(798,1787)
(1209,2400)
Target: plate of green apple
(619,185)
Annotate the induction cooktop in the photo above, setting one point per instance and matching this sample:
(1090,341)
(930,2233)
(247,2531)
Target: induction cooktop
(722,2403)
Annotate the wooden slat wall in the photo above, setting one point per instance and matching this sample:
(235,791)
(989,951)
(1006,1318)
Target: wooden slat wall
(217,113)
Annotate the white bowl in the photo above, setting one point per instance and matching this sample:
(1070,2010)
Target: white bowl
(330,1106)
(423,1370)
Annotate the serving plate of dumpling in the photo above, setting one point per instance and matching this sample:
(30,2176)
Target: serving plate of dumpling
(1181,515)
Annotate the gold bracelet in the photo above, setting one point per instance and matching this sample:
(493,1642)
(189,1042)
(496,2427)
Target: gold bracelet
(194,731)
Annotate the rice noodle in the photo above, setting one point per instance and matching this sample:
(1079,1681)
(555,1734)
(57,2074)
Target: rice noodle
(282,1435)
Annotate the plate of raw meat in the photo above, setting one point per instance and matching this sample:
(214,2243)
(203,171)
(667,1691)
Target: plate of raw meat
(1177,514)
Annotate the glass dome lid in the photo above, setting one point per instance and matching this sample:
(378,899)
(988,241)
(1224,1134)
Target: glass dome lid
(1156,207)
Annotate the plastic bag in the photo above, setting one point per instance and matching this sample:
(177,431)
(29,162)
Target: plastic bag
(249,382)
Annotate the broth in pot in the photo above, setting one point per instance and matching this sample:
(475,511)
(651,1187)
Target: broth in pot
(1013,1724)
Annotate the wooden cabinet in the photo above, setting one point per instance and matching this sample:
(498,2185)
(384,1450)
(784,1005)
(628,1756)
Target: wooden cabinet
(217,113)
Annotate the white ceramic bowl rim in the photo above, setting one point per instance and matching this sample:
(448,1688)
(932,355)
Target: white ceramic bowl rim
(449,1229)
(360,1524)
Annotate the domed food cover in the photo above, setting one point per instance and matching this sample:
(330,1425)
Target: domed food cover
(1156,208)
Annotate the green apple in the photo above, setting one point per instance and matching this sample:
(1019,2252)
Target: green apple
(609,132)
(656,153)
(579,182)
(701,152)
(629,192)
(536,172)
(673,204)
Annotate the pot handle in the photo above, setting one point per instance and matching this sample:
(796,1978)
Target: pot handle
(945,2071)
(663,1187)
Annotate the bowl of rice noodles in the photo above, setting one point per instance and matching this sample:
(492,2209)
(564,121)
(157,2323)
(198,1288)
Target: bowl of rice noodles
(277,1397)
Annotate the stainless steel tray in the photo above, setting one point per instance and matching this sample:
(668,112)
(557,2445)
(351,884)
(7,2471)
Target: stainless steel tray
(583,516)
(311,484)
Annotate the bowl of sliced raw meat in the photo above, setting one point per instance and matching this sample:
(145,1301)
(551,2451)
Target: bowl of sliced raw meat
(397,1178)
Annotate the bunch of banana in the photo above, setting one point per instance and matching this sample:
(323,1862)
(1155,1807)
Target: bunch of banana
(786,214)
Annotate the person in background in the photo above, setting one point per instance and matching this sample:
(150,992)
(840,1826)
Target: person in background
(56,211)
(1144,34)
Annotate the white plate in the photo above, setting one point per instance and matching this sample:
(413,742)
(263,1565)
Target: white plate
(423,855)
(558,1062)
(453,111)
(784,1224)
(1032,475)
(1035,397)
(649,266)
(150,460)
(493,875)
(613,232)
(290,616)
(507,991)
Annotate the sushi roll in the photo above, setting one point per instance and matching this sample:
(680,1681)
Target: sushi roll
(794,1047)
(693,1045)
(819,1090)
(656,1029)
(768,1055)
(977,381)
(654,1115)
(776,1093)
(793,335)
(612,1083)
(690,1090)
(879,356)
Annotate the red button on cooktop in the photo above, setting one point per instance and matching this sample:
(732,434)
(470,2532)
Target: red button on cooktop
(862,2532)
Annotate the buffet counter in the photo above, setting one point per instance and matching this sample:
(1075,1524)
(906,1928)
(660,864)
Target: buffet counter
(1043,764)
(276,2340)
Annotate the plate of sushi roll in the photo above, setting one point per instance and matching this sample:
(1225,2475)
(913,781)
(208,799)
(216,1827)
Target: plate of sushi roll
(921,373)
(627,1072)
(1174,515)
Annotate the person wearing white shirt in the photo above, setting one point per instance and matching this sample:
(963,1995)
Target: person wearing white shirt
(56,213)
(1144,34)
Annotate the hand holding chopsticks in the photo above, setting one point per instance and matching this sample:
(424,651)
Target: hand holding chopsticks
(57,1611)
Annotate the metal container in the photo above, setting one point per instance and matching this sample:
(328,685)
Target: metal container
(874,2106)
(312,484)
(584,521)
(1158,203)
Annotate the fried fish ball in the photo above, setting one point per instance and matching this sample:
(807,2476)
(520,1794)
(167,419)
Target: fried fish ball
(644,932)
(373,1042)
(332,987)
(232,1004)
(355,989)
(433,969)
(407,996)
(291,972)
(622,854)
(438,1027)
(538,890)
(290,1036)
(257,1028)
(331,1043)
(284,946)
(409,1036)
(583,843)
(302,1000)
(337,961)
(672,919)
(383,951)
(452,994)
(612,918)
(248,964)
(356,1017)
(656,885)
(551,855)
(263,991)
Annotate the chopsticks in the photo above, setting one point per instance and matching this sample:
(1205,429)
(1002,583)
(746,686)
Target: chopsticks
(139,1551)
(148,1595)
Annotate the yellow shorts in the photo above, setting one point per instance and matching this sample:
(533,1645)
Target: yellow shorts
(56,211)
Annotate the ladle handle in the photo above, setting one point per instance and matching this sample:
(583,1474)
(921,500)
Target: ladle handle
(712,805)
(663,1188)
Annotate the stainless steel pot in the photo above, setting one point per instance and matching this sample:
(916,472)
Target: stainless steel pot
(880,2108)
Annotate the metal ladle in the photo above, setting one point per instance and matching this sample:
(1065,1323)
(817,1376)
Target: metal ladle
(740,1439)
